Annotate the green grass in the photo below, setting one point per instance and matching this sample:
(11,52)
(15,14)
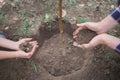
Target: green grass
(72,2)
(48,18)
(3,17)
(80,20)
(34,66)
(22,14)
(107,57)
(25,27)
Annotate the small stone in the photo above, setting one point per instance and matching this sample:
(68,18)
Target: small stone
(50,61)
(6,28)
(81,5)
(54,57)
(15,18)
(112,6)
(61,63)
(63,54)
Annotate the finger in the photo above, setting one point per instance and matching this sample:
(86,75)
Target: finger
(27,39)
(33,42)
(82,24)
(75,36)
(77,45)
(76,32)
(33,50)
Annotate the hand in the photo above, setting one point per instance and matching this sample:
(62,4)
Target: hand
(23,41)
(22,54)
(82,46)
(80,27)
(94,26)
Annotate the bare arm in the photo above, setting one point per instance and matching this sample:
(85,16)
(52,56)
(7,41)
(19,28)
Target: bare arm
(18,54)
(8,54)
(106,24)
(12,44)
(99,27)
(8,44)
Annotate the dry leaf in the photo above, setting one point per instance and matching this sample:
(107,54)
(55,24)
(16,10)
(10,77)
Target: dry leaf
(81,5)
(64,12)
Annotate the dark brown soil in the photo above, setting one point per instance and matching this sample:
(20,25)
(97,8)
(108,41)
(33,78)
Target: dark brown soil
(58,60)
(27,47)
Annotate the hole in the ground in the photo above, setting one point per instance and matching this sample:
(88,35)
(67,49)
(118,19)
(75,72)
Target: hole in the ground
(61,59)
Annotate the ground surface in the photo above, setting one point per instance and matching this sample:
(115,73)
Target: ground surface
(55,60)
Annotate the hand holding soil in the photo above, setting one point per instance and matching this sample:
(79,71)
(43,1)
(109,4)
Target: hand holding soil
(27,47)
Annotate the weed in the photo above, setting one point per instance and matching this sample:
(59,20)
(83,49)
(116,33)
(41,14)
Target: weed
(108,56)
(20,2)
(3,17)
(25,27)
(79,20)
(76,69)
(34,66)
(22,14)
(72,2)
(48,19)
(49,3)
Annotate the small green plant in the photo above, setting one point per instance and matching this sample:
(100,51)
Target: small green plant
(34,66)
(48,19)
(25,27)
(28,25)
(48,3)
(108,56)
(19,2)
(76,69)
(95,60)
(79,20)
(72,2)
(3,17)
(22,14)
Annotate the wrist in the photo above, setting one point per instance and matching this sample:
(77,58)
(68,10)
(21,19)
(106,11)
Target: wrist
(17,46)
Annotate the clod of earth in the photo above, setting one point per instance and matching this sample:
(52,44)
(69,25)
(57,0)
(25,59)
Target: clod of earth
(27,47)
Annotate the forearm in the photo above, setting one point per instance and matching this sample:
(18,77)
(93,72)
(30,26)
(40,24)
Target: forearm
(110,21)
(8,44)
(8,55)
(99,27)
(106,24)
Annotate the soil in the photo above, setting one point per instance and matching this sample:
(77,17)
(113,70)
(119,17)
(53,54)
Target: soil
(61,58)
(27,47)
(57,58)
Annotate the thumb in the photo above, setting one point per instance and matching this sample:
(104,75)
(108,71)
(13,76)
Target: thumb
(82,24)
(34,49)
(27,39)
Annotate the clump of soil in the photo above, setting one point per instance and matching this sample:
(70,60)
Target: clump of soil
(27,47)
